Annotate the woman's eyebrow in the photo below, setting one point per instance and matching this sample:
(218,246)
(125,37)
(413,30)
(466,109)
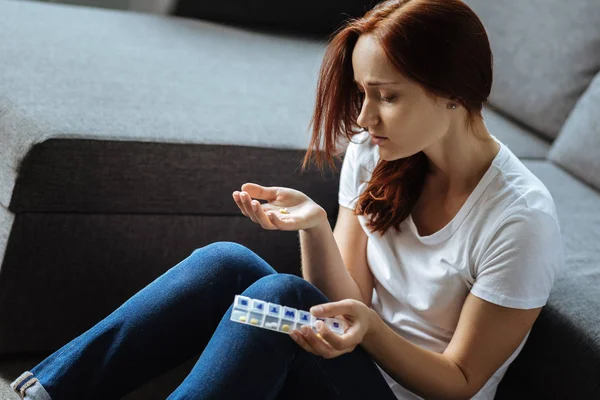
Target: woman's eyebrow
(378,83)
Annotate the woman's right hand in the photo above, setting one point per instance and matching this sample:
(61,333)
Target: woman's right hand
(304,213)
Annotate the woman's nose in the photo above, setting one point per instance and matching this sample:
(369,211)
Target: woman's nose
(367,117)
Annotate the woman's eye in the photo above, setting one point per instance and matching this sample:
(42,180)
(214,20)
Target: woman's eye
(388,99)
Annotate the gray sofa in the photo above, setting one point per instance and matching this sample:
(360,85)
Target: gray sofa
(123,136)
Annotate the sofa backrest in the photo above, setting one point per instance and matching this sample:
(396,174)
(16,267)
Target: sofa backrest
(577,148)
(546,52)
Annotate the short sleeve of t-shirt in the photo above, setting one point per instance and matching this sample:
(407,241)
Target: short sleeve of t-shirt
(347,195)
(518,267)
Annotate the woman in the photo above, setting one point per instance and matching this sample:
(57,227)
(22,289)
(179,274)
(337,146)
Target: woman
(437,307)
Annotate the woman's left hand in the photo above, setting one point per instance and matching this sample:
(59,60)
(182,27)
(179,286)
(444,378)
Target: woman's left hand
(357,315)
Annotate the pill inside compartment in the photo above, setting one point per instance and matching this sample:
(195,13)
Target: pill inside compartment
(239,316)
(288,320)
(272,316)
(257,312)
(241,307)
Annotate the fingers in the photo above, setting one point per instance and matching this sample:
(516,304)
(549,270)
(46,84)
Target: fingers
(342,307)
(261,192)
(320,346)
(299,338)
(255,211)
(336,341)
(241,200)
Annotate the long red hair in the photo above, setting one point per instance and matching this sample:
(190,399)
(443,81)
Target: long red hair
(439,44)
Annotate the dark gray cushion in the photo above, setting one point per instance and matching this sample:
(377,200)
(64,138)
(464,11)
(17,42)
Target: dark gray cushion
(96,221)
(319,17)
(577,148)
(156,389)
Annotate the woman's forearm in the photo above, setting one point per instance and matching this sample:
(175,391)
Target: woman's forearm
(322,263)
(429,374)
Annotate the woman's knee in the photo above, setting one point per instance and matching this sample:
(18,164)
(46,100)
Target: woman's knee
(229,261)
(287,290)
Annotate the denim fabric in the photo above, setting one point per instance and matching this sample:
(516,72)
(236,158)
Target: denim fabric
(185,313)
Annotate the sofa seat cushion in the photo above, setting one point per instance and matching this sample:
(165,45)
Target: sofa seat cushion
(79,72)
(97,220)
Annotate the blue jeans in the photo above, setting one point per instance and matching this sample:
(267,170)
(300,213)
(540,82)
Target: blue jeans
(185,313)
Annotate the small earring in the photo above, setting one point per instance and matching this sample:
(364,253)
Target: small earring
(452,106)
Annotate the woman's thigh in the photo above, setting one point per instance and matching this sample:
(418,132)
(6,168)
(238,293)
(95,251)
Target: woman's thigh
(350,376)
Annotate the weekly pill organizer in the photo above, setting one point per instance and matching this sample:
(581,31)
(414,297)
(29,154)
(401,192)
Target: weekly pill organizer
(278,318)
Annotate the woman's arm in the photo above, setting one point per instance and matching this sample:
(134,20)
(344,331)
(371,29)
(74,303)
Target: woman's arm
(486,336)
(322,263)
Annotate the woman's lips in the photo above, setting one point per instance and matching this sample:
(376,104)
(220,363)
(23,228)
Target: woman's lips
(377,139)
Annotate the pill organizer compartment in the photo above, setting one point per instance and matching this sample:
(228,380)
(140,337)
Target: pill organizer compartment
(304,318)
(257,312)
(288,320)
(242,302)
(272,316)
(239,315)
(258,306)
(335,325)
(255,318)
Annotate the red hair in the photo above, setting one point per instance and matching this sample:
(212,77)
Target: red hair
(440,45)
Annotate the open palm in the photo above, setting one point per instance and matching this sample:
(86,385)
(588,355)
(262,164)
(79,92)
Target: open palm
(302,211)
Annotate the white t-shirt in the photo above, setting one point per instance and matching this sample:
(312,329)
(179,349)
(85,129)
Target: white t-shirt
(504,245)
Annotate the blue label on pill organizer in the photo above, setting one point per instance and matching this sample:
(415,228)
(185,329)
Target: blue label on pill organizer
(258,305)
(304,317)
(336,324)
(289,313)
(273,309)
(243,302)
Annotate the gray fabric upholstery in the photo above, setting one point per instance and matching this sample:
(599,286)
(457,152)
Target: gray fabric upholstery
(578,208)
(107,126)
(519,139)
(106,74)
(6,222)
(577,148)
(17,134)
(543,60)
(565,341)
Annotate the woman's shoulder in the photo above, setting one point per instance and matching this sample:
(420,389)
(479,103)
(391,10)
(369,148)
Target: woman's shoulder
(519,190)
